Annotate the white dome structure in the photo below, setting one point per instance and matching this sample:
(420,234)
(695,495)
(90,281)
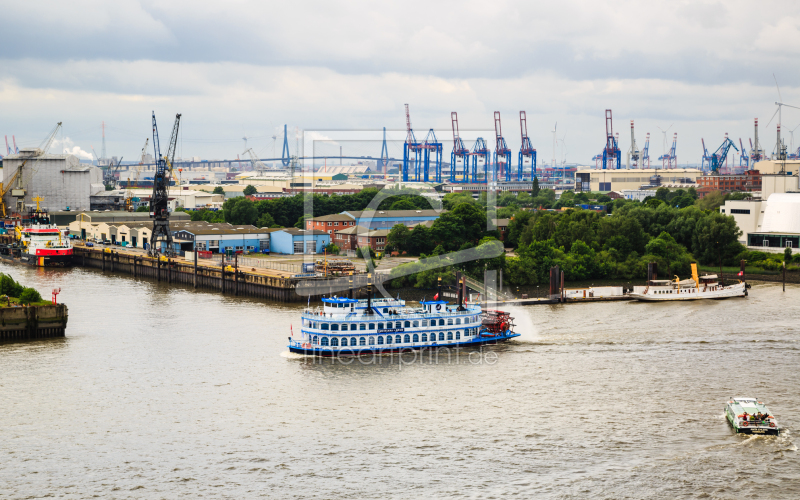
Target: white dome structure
(782,214)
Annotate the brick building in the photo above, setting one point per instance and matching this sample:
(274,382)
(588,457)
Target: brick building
(748,181)
(352,238)
(330,223)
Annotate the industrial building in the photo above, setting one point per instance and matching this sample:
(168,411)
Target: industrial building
(61,180)
(387,219)
(591,179)
(291,241)
(771,221)
(221,237)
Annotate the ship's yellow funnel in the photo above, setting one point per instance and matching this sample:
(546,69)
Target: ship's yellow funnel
(694,275)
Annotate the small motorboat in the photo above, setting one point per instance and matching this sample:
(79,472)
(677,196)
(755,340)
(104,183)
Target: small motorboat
(750,416)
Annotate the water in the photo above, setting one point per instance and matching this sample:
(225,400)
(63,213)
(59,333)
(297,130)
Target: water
(171,393)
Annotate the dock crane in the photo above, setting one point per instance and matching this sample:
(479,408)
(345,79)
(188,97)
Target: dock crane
(633,152)
(744,159)
(646,152)
(432,148)
(129,193)
(706,159)
(23,174)
(501,151)
(721,154)
(670,159)
(612,156)
(460,151)
(526,149)
(480,151)
(159,201)
(109,177)
(257,164)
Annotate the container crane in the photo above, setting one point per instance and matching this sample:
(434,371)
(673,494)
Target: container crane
(8,149)
(480,151)
(670,159)
(109,174)
(756,152)
(706,160)
(129,193)
(255,162)
(159,201)
(526,149)
(432,148)
(502,154)
(460,152)
(612,156)
(14,141)
(646,152)
(721,154)
(633,153)
(411,148)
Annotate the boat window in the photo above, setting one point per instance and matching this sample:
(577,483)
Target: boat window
(399,324)
(380,339)
(397,339)
(353,341)
(416,338)
(458,335)
(372,341)
(388,339)
(406,338)
(458,321)
(449,321)
(372,326)
(314,340)
(362,341)
(386,310)
(324,326)
(441,322)
(362,326)
(344,327)
(335,342)
(325,341)
(416,323)
(424,337)
(380,326)
(408,324)
(441,335)
(449,335)
(424,322)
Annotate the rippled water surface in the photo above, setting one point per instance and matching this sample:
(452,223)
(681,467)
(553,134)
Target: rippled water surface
(171,393)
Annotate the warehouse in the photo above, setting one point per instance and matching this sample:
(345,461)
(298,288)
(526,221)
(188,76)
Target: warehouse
(592,179)
(291,241)
(221,237)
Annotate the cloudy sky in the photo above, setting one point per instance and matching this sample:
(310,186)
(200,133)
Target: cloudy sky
(239,68)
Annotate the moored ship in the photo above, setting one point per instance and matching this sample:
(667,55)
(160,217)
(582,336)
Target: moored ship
(346,326)
(43,244)
(694,288)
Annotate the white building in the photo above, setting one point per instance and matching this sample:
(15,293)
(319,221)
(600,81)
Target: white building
(61,180)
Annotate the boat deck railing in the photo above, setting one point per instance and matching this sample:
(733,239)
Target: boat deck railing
(316,314)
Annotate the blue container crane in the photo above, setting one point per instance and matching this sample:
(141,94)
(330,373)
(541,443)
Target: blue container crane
(612,156)
(721,154)
(646,152)
(480,150)
(411,148)
(744,159)
(705,163)
(502,154)
(461,152)
(526,149)
(432,148)
(670,159)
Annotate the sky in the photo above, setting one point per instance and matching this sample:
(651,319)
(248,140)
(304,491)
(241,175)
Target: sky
(239,69)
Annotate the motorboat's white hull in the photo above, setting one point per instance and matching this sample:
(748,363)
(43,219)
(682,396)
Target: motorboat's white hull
(653,295)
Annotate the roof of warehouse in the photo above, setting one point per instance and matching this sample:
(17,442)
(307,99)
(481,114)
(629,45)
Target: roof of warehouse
(301,232)
(221,229)
(332,217)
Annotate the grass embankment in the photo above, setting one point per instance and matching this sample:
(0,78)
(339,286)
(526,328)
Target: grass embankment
(12,294)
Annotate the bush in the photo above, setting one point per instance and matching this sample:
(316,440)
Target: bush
(10,287)
(332,249)
(363,252)
(29,296)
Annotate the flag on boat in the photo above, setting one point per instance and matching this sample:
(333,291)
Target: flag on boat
(741,273)
(291,330)
(436,297)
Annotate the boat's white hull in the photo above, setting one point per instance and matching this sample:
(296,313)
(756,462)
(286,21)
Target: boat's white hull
(737,290)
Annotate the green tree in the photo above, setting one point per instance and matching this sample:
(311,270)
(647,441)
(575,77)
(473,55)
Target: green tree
(535,188)
(398,238)
(248,190)
(711,201)
(603,199)
(403,204)
(265,220)
(218,190)
(239,210)
(143,208)
(662,194)
(29,296)
(716,237)
(9,287)
(787,254)
(331,249)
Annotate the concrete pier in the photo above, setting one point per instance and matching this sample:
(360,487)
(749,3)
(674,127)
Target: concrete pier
(33,322)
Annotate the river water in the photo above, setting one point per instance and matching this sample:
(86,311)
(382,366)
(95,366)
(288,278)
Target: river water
(161,392)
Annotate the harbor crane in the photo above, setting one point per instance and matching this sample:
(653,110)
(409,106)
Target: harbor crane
(480,153)
(460,152)
(756,152)
(159,201)
(109,174)
(670,158)
(633,153)
(612,156)
(526,149)
(411,148)
(257,164)
(129,193)
(432,148)
(23,173)
(744,159)
(721,155)
(501,151)
(706,160)
(646,152)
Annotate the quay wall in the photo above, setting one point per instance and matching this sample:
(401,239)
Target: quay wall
(33,322)
(237,281)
